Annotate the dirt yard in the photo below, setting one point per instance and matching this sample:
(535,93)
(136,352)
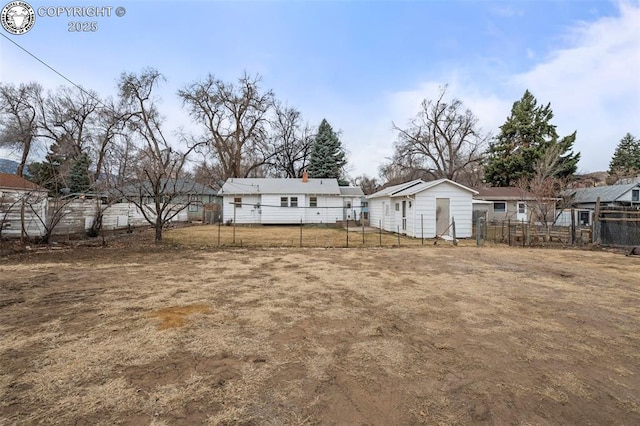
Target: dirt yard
(433,335)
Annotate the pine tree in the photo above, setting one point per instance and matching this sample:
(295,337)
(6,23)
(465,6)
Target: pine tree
(327,155)
(626,158)
(522,142)
(79,180)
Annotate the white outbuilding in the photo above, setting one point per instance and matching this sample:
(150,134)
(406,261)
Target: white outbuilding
(423,209)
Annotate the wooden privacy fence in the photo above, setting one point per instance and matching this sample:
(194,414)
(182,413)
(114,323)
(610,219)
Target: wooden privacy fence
(617,226)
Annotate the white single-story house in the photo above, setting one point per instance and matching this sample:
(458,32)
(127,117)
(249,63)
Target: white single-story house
(423,209)
(288,201)
(23,207)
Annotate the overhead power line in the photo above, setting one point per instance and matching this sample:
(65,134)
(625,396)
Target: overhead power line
(56,71)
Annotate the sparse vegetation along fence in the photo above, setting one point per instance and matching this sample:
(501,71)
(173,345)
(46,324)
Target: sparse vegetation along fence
(527,234)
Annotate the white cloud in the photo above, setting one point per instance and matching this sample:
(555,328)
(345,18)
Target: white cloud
(507,11)
(593,85)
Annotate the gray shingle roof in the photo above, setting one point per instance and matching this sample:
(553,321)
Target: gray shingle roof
(353,191)
(607,194)
(173,186)
(246,186)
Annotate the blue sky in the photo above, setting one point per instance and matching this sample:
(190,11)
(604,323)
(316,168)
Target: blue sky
(366,64)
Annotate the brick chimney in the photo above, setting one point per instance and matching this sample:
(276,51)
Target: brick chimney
(305,176)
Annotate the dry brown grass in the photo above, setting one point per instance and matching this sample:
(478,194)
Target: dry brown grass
(434,335)
(288,236)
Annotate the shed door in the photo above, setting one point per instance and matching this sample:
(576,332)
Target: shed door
(442,216)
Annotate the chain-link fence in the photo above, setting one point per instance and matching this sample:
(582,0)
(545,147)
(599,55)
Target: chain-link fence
(349,234)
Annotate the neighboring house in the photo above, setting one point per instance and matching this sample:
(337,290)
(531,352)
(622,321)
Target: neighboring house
(423,209)
(503,203)
(23,207)
(288,201)
(196,197)
(583,201)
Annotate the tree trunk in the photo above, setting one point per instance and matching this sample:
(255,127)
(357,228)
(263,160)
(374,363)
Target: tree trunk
(158,229)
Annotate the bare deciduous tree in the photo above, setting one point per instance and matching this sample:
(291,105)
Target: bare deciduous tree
(442,141)
(19,118)
(545,188)
(291,142)
(156,189)
(235,118)
(368,184)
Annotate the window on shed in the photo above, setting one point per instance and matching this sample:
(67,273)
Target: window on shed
(294,201)
(284,202)
(522,208)
(635,195)
(499,207)
(313,201)
(237,201)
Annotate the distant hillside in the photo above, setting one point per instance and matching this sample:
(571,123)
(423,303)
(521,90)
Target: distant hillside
(8,166)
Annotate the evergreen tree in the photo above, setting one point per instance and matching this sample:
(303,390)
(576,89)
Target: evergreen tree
(48,173)
(327,155)
(626,158)
(79,180)
(522,142)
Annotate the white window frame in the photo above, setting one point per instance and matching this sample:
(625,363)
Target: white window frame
(504,210)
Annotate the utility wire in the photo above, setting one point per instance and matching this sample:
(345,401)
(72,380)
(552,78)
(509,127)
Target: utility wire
(58,72)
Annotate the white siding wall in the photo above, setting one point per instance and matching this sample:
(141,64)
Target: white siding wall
(460,208)
(273,213)
(248,213)
(425,215)
(375,212)
(329,209)
(11,216)
(356,207)
(382,211)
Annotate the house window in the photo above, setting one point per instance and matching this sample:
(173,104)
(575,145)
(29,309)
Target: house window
(294,201)
(521,208)
(313,201)
(348,204)
(583,218)
(499,207)
(397,207)
(194,203)
(284,202)
(237,201)
(635,195)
